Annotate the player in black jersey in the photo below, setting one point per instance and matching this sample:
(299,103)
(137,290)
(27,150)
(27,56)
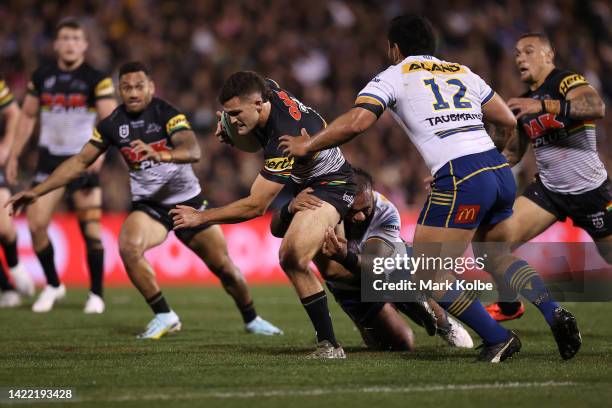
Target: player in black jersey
(556,116)
(10,293)
(158,146)
(68,95)
(263,110)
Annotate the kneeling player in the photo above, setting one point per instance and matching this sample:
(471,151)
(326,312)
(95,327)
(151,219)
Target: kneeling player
(373,221)
(158,145)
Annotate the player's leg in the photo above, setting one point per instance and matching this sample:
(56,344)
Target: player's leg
(387,330)
(210,245)
(139,233)
(39,217)
(302,241)
(523,279)
(604,246)
(88,205)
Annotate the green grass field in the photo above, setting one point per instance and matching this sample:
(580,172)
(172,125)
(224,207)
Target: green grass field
(213,362)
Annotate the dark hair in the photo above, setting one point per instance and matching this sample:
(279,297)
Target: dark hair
(69,22)
(244,83)
(413,34)
(541,36)
(362,179)
(133,66)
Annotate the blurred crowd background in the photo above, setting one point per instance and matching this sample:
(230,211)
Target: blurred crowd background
(321,51)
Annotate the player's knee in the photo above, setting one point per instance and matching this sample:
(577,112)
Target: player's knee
(226,271)
(131,250)
(291,261)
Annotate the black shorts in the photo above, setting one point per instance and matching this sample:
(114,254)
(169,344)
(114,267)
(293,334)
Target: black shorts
(47,163)
(591,211)
(337,189)
(350,301)
(160,213)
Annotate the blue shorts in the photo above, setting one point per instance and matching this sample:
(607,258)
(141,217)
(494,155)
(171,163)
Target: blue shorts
(477,189)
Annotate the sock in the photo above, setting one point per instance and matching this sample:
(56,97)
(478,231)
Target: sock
(95,261)
(464,305)
(248,312)
(10,253)
(316,307)
(5,285)
(158,303)
(47,262)
(521,277)
(509,308)
(508,298)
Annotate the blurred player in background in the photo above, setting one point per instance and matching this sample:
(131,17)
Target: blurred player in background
(262,110)
(68,95)
(372,224)
(442,106)
(159,146)
(556,115)
(10,295)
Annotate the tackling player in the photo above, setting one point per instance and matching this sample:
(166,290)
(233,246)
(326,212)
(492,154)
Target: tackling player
(372,223)
(261,109)
(556,115)
(10,295)
(68,95)
(441,106)
(159,146)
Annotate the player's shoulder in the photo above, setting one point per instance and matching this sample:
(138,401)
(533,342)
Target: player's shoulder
(563,80)
(162,107)
(116,117)
(387,215)
(44,70)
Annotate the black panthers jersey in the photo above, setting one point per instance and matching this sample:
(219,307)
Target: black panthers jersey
(165,183)
(565,148)
(6,96)
(68,105)
(287,117)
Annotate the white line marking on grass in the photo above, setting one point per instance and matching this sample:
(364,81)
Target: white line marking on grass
(313,392)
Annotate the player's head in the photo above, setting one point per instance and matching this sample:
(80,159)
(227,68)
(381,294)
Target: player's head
(243,96)
(136,88)
(534,57)
(410,34)
(70,42)
(363,204)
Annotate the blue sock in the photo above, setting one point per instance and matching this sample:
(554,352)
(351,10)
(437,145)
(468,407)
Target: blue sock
(521,277)
(464,305)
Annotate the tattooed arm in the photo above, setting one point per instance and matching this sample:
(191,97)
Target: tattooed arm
(586,104)
(515,148)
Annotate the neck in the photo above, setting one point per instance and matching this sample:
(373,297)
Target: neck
(535,85)
(70,66)
(266,107)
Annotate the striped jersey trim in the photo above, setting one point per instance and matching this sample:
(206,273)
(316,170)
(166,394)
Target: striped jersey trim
(449,132)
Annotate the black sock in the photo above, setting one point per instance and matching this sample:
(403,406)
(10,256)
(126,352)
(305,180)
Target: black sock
(10,253)
(158,303)
(509,308)
(48,264)
(248,312)
(5,285)
(95,261)
(316,307)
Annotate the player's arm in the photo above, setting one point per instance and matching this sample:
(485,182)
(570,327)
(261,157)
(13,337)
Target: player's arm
(11,116)
(281,219)
(515,148)
(336,248)
(186,149)
(262,194)
(68,171)
(496,111)
(23,132)
(584,104)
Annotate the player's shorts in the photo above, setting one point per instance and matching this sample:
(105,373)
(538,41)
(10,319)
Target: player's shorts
(477,189)
(337,189)
(591,211)
(161,213)
(350,301)
(3,182)
(47,163)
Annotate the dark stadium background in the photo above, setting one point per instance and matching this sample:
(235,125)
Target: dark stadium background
(322,51)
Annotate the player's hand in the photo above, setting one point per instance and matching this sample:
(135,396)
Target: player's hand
(220,133)
(333,246)
(11,170)
(20,201)
(145,151)
(295,146)
(185,216)
(428,181)
(524,106)
(305,200)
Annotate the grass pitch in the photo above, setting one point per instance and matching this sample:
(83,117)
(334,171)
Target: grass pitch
(213,362)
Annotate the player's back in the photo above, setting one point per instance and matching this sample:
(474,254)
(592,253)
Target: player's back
(438,103)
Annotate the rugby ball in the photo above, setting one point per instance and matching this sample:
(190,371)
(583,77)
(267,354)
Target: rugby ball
(247,143)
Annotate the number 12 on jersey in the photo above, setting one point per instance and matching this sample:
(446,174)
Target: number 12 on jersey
(458,101)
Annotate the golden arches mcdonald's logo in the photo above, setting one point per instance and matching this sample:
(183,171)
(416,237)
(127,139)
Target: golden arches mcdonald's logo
(467,214)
